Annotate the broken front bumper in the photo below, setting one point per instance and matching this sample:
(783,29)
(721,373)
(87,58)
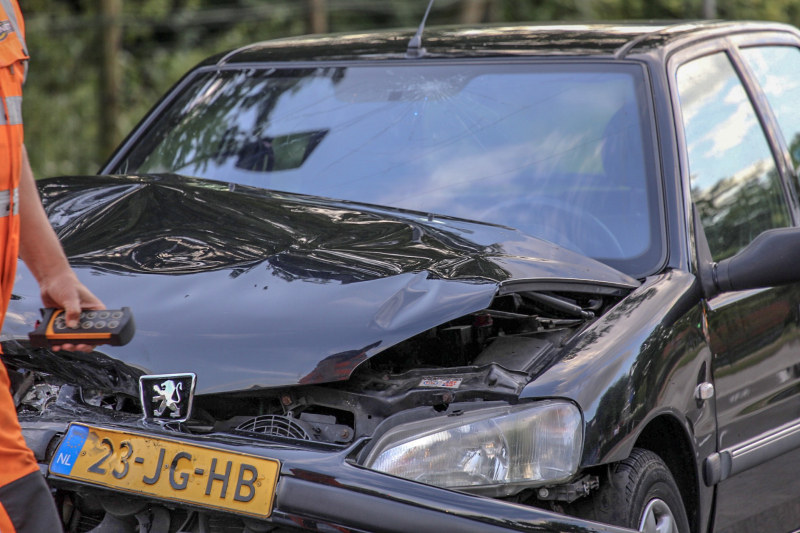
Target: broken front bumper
(319,489)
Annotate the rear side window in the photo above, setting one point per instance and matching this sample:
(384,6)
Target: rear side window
(734,180)
(777,69)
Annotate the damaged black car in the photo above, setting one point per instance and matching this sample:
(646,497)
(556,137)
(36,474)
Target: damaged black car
(520,278)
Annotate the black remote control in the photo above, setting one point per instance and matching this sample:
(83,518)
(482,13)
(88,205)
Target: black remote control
(109,326)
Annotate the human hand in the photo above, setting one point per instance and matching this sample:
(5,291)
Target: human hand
(63,290)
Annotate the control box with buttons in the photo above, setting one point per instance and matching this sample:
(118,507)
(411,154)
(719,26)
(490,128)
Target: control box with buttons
(109,326)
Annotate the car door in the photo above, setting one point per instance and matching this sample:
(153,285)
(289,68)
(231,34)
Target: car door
(737,181)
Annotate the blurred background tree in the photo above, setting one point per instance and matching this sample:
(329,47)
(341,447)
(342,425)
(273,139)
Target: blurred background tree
(99,65)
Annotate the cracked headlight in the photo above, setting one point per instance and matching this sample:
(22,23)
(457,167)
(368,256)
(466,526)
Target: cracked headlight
(529,444)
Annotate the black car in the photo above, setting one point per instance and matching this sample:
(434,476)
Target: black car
(513,278)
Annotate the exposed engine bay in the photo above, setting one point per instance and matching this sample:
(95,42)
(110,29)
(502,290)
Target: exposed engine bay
(484,356)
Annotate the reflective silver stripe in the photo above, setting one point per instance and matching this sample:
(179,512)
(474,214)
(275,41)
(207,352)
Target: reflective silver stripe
(14,110)
(12,18)
(5,202)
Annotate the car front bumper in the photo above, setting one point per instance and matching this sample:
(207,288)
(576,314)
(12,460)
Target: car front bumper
(319,489)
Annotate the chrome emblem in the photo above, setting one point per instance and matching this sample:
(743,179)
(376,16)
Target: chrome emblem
(168,397)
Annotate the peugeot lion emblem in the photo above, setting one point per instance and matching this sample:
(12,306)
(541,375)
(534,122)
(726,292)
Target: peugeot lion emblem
(167,397)
(170,398)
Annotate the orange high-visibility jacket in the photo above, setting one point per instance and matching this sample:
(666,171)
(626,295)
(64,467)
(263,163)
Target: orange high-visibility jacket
(16,460)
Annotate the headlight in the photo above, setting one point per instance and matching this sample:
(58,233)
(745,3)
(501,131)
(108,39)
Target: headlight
(531,444)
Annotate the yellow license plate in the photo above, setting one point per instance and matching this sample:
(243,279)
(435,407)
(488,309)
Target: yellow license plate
(168,469)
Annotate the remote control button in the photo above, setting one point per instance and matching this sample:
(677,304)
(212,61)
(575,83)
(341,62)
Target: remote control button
(117,315)
(100,324)
(87,325)
(113,324)
(103,314)
(91,315)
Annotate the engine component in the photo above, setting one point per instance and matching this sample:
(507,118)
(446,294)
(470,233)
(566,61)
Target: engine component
(309,426)
(570,492)
(513,353)
(277,426)
(38,398)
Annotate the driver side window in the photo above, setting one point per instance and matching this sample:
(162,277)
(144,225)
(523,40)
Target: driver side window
(734,180)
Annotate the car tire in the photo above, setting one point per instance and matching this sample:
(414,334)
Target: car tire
(639,493)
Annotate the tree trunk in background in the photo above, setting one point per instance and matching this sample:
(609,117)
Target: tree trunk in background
(585,10)
(318,16)
(110,76)
(472,11)
(495,10)
(710,9)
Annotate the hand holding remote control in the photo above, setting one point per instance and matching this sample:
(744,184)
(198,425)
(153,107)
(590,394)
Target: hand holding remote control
(108,326)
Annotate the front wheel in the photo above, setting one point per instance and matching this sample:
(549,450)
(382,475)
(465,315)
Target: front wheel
(639,493)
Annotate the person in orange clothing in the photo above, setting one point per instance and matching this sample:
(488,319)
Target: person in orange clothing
(26,505)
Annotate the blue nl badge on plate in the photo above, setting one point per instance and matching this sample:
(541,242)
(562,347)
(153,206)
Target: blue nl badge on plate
(68,450)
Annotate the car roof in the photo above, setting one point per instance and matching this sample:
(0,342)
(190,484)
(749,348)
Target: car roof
(610,39)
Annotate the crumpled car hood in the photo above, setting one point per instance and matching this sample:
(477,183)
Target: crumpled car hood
(250,288)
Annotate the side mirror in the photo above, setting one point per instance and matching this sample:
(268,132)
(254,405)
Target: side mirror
(772,259)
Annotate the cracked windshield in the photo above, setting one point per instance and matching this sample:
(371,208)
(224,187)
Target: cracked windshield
(556,152)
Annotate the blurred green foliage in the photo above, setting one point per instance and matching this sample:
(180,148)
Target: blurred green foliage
(162,39)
